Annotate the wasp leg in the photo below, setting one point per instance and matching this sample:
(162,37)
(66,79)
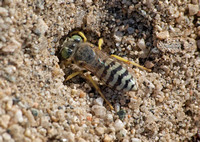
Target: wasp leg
(129,62)
(100,43)
(98,90)
(73,75)
(79,33)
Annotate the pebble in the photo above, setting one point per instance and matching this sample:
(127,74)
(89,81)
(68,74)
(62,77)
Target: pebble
(10,69)
(6,137)
(193,9)
(99,110)
(135,140)
(4,120)
(17,132)
(18,116)
(99,101)
(118,125)
(30,117)
(149,64)
(117,107)
(3,11)
(162,35)
(8,2)
(41,27)
(12,46)
(141,44)
(130,30)
(100,131)
(123,133)
(70,136)
(107,138)
(198,44)
(88,2)
(118,36)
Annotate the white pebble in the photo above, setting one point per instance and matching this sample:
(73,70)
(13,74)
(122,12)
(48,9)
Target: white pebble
(135,140)
(109,117)
(99,101)
(162,35)
(4,121)
(88,2)
(11,47)
(99,110)
(6,137)
(3,11)
(141,44)
(118,125)
(42,26)
(18,116)
(10,69)
(100,130)
(193,9)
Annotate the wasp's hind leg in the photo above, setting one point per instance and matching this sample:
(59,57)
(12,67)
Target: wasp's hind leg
(100,43)
(88,77)
(130,62)
(79,33)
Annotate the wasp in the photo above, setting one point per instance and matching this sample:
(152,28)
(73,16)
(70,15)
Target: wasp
(77,50)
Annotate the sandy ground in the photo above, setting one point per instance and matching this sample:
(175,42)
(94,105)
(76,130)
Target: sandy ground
(37,105)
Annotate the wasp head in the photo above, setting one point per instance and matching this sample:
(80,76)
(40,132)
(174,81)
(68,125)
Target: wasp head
(70,45)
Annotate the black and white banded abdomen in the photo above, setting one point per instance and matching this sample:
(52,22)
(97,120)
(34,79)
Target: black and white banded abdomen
(113,74)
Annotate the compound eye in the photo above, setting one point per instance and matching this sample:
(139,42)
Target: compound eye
(66,52)
(77,38)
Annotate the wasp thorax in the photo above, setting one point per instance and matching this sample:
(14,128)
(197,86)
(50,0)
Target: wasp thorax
(85,54)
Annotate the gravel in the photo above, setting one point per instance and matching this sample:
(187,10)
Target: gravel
(36,104)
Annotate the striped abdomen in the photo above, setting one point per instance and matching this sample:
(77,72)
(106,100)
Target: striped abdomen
(114,75)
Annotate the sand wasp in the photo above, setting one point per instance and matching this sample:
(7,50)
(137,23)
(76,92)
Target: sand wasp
(108,69)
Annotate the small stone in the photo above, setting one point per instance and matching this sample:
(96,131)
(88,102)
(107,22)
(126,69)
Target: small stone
(4,120)
(193,9)
(17,132)
(107,138)
(44,122)
(130,30)
(121,114)
(135,140)
(12,46)
(100,131)
(99,101)
(149,64)
(70,136)
(41,27)
(99,110)
(18,116)
(3,11)
(198,44)
(162,35)
(8,2)
(81,140)
(6,137)
(117,107)
(28,132)
(118,125)
(88,2)
(10,69)
(123,133)
(34,112)
(118,36)
(30,117)
(141,44)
